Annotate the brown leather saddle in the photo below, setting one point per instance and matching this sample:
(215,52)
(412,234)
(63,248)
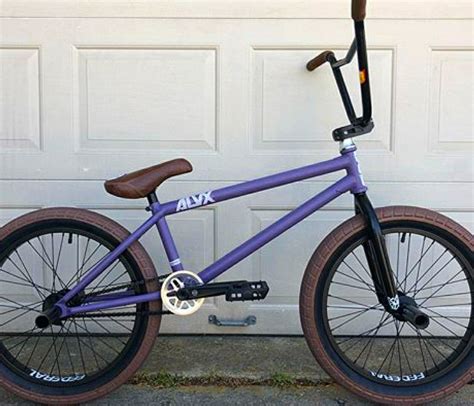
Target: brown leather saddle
(141,183)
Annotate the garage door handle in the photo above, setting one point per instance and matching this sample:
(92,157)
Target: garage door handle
(248,321)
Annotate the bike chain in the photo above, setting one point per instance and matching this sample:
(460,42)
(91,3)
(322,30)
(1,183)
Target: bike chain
(132,285)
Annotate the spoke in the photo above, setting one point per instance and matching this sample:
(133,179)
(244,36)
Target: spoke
(438,296)
(91,346)
(21,342)
(80,347)
(437,285)
(398,258)
(106,274)
(420,260)
(47,263)
(415,265)
(30,280)
(406,356)
(108,331)
(339,272)
(29,277)
(447,329)
(67,348)
(14,283)
(358,276)
(98,338)
(85,253)
(390,351)
(429,269)
(442,342)
(25,280)
(351,319)
(428,342)
(407,262)
(352,301)
(351,313)
(80,269)
(51,263)
(46,354)
(440,316)
(115,321)
(441,287)
(354,307)
(450,305)
(385,323)
(33,351)
(60,249)
(370,340)
(400,364)
(18,316)
(19,307)
(352,286)
(55,351)
(435,364)
(362,265)
(421,349)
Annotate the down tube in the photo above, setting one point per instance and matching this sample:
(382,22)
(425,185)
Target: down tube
(286,222)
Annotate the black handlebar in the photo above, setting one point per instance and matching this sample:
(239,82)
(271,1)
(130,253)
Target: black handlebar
(319,60)
(363,124)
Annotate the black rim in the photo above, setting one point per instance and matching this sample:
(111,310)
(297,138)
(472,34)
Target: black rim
(427,268)
(46,260)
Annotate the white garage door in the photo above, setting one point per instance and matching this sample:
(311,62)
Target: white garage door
(90,90)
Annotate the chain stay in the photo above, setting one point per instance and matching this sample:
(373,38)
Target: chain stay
(130,285)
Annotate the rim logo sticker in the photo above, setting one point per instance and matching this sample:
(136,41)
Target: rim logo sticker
(396,378)
(54,378)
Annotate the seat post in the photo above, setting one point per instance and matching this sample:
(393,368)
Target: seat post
(166,237)
(152,198)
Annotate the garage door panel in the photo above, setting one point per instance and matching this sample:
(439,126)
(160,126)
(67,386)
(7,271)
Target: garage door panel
(130,98)
(85,99)
(451,101)
(286,107)
(19,100)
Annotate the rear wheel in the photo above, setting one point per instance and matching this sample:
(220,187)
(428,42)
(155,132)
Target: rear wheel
(44,254)
(368,350)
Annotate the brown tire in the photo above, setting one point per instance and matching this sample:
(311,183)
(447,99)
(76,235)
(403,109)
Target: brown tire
(326,347)
(135,258)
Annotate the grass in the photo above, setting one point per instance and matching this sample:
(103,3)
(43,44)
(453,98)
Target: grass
(167,380)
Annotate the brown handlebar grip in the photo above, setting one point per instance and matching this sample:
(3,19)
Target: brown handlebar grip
(358,9)
(318,61)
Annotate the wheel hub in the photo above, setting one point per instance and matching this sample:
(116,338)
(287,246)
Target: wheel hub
(50,314)
(411,313)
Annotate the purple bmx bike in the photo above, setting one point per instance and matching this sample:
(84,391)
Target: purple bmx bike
(386,301)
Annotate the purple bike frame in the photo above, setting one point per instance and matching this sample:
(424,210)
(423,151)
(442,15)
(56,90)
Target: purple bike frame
(351,182)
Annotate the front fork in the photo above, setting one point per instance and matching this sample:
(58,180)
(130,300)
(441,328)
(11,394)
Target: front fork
(377,255)
(401,306)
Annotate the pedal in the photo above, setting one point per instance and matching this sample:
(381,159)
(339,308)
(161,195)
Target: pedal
(234,291)
(242,291)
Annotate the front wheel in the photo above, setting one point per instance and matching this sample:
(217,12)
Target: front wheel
(365,348)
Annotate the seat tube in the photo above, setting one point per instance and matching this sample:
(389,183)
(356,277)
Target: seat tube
(165,235)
